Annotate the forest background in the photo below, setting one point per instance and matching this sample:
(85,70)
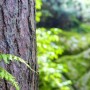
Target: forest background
(63,42)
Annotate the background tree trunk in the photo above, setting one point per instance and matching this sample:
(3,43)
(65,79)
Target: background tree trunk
(17,36)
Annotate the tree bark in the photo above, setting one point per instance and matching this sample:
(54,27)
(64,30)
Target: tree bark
(17,37)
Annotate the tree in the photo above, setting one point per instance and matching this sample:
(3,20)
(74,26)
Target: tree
(17,37)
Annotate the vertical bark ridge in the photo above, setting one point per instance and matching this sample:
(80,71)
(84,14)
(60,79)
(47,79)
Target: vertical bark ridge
(3,45)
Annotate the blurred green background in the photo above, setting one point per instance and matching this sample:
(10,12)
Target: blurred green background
(63,44)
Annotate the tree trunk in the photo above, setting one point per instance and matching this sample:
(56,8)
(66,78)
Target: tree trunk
(17,37)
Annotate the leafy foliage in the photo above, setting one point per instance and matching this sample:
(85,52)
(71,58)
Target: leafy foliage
(4,74)
(7,76)
(48,52)
(38,8)
(64,59)
(64,14)
(78,66)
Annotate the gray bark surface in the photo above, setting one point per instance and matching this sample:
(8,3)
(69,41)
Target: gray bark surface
(17,37)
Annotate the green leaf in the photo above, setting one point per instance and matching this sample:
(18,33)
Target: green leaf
(8,57)
(7,76)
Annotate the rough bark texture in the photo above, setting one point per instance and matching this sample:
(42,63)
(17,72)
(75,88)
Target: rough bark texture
(17,36)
